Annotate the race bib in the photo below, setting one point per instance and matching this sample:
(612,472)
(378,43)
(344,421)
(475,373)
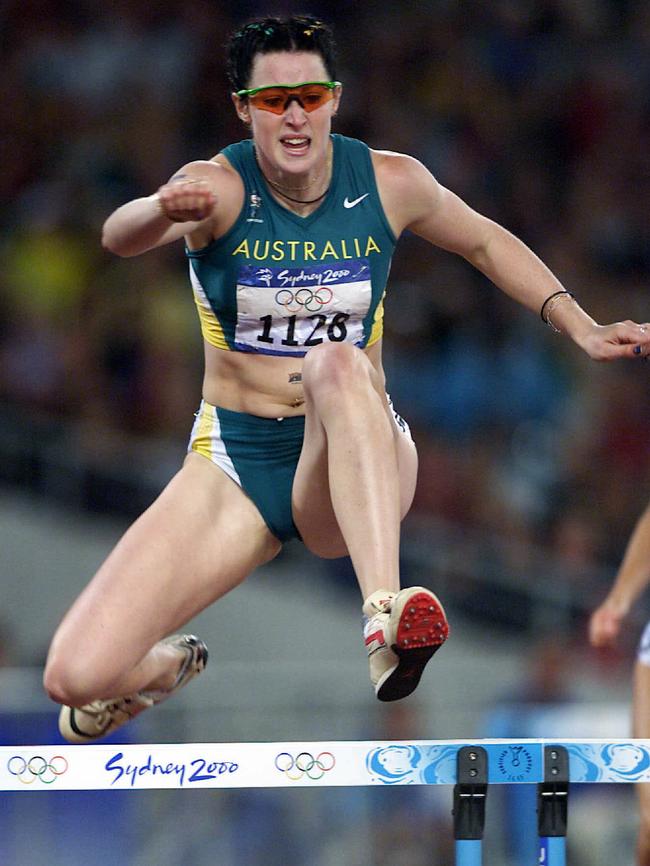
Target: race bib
(286,311)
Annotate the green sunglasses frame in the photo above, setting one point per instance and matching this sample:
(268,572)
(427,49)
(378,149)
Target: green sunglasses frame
(255,90)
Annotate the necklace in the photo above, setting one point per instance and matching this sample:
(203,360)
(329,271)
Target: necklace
(296,200)
(293,188)
(279,189)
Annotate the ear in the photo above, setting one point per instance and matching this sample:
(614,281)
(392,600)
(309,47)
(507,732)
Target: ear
(242,108)
(337,100)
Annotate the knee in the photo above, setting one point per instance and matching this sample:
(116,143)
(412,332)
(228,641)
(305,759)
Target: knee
(335,366)
(69,681)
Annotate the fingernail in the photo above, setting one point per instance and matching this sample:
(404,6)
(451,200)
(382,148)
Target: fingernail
(637,350)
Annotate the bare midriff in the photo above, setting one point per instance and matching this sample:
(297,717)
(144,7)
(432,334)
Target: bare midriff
(266,385)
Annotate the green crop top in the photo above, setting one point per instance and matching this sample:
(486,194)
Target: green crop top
(278,283)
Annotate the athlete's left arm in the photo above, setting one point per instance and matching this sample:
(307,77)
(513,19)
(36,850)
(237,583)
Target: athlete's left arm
(414,200)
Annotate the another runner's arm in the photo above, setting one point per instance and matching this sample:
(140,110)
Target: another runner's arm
(419,203)
(185,205)
(632,579)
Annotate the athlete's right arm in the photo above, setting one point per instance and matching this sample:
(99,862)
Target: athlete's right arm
(185,205)
(632,579)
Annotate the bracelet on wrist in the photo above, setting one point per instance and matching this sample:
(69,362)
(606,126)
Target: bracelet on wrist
(551,303)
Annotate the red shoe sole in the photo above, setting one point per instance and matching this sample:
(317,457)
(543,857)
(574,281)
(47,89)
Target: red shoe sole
(421,631)
(422,624)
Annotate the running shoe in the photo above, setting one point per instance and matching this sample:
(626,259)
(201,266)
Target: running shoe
(401,632)
(100,718)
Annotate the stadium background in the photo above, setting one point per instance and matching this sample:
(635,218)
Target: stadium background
(535,461)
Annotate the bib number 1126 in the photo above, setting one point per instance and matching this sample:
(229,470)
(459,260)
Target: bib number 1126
(333,329)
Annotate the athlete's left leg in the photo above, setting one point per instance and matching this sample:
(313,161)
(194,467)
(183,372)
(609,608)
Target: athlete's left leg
(357,471)
(641,729)
(354,483)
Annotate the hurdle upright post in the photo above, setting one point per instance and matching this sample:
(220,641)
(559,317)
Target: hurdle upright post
(552,807)
(470,794)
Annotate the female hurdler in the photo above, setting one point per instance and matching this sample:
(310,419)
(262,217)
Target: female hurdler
(289,236)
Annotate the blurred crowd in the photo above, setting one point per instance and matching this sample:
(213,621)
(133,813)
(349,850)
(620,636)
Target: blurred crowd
(536,112)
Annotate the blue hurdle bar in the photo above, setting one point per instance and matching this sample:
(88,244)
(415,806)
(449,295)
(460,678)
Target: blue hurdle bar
(470,793)
(552,807)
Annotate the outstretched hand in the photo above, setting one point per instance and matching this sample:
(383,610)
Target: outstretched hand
(187,200)
(619,340)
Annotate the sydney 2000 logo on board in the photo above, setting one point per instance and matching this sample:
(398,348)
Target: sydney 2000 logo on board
(184,772)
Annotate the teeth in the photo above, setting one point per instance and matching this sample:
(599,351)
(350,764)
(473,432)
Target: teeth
(295,140)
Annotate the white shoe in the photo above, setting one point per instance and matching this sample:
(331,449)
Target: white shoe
(401,632)
(100,718)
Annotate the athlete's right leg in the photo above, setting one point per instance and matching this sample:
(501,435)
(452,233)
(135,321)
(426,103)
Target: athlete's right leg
(354,483)
(641,729)
(198,540)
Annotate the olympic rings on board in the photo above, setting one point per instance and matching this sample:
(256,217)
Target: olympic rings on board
(310,300)
(37,767)
(304,764)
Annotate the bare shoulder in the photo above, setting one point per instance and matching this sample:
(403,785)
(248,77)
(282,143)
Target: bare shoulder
(406,187)
(216,170)
(413,199)
(399,168)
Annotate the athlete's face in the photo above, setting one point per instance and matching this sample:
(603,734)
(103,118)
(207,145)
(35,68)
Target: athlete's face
(296,141)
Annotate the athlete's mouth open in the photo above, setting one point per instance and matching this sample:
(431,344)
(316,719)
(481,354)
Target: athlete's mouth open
(297,144)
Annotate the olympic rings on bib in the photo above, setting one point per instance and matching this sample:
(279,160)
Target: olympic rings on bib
(304,764)
(310,300)
(37,767)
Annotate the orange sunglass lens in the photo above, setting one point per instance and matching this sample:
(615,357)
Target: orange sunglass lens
(277,99)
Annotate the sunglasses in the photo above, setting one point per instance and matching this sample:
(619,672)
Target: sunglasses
(277,97)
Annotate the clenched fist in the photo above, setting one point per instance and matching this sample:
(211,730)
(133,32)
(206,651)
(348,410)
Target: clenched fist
(186,200)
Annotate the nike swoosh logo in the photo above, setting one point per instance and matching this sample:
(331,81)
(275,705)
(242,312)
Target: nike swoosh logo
(347,203)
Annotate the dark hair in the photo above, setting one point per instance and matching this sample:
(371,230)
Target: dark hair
(264,35)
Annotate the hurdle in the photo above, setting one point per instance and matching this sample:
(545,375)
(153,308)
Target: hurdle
(469,766)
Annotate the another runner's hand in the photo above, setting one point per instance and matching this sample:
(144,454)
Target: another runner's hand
(187,200)
(605,625)
(620,340)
